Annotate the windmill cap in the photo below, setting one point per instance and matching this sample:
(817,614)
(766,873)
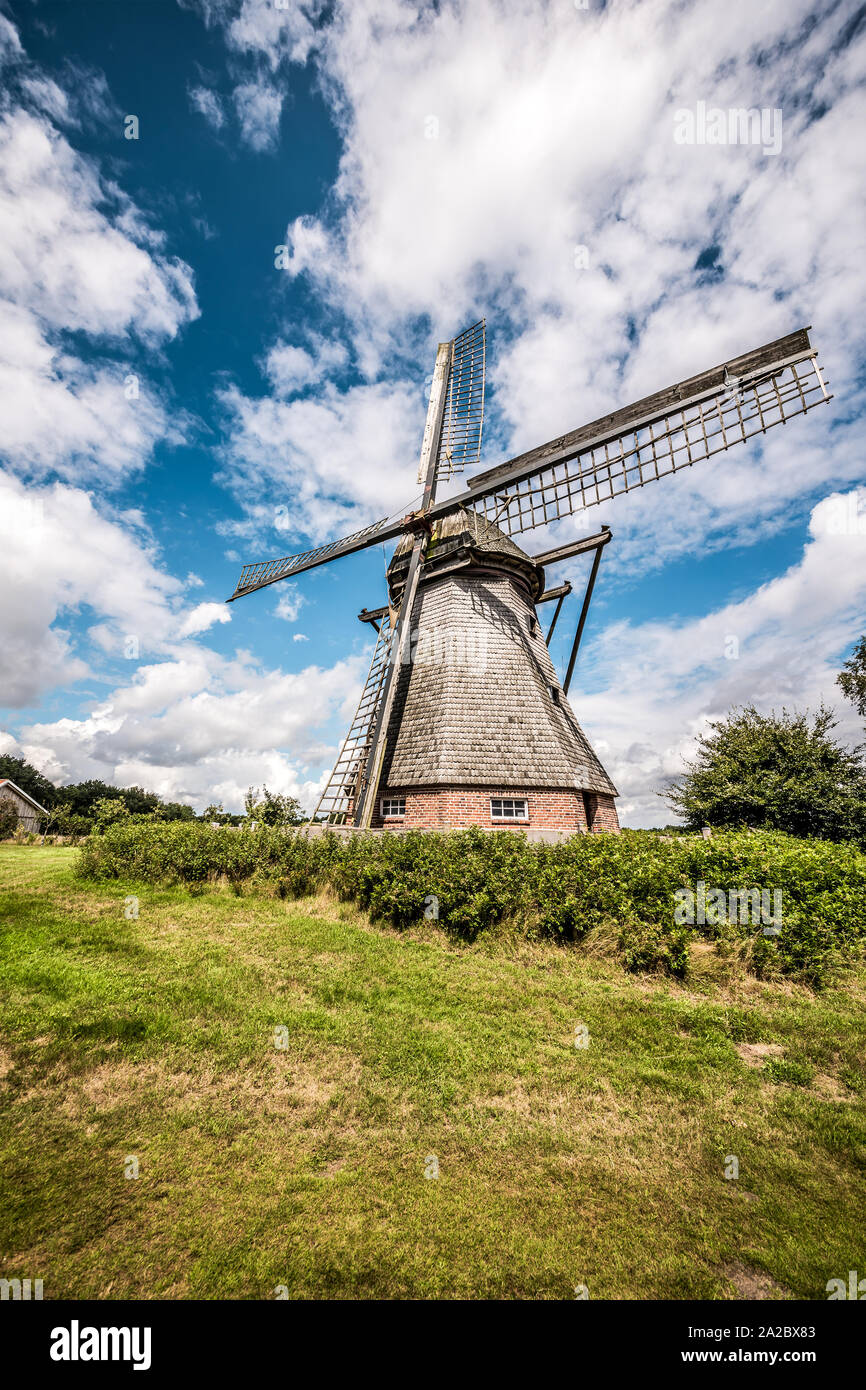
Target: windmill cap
(459,535)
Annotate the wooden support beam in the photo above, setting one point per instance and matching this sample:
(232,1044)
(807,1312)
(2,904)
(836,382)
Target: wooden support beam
(565,552)
(372,615)
(563,590)
(596,561)
(365,803)
(560,591)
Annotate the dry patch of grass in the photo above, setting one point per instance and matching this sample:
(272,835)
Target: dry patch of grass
(755,1054)
(753,1283)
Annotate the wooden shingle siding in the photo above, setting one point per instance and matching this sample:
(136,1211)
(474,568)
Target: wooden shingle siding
(479,703)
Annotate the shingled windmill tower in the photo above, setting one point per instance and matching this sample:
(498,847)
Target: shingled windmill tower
(463,719)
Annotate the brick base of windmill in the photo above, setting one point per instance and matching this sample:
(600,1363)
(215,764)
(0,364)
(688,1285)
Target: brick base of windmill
(458,808)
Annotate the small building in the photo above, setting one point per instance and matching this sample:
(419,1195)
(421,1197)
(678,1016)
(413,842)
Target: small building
(30,814)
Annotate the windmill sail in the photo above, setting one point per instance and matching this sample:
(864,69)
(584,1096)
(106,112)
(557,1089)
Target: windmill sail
(659,435)
(258,576)
(338,800)
(463,419)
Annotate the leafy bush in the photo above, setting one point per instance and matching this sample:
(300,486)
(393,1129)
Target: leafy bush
(650,946)
(470,880)
(8,818)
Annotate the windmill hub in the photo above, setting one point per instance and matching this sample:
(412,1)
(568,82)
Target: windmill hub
(463,720)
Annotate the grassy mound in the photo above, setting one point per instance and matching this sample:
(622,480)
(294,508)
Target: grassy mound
(289,1080)
(472,880)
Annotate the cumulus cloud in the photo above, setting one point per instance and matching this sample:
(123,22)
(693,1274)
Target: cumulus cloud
(520,160)
(10,43)
(290,368)
(203,728)
(77,257)
(64,416)
(62,257)
(341,458)
(49,576)
(86,595)
(202,617)
(645,691)
(181,719)
(45,94)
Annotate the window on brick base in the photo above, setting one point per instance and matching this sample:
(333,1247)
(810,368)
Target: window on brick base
(393,807)
(509,808)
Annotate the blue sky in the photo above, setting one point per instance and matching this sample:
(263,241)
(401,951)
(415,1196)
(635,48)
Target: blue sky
(424,166)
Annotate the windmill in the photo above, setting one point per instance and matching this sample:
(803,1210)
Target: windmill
(462,719)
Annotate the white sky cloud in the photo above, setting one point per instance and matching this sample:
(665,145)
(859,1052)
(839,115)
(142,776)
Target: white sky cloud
(63,258)
(289,603)
(482,143)
(187,722)
(77,256)
(202,617)
(258,105)
(49,575)
(203,727)
(209,105)
(645,691)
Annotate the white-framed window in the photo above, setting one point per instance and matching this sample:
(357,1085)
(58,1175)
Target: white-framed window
(509,808)
(393,807)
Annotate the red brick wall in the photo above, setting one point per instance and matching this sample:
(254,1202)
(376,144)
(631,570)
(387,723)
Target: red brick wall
(602,812)
(450,808)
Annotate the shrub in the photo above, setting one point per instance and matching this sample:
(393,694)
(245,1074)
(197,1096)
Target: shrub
(8,818)
(649,946)
(471,880)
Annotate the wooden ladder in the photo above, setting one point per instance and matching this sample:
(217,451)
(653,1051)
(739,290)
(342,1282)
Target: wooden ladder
(337,802)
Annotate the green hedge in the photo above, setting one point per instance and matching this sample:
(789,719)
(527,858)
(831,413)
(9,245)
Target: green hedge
(473,879)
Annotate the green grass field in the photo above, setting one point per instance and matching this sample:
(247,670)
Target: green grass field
(304,1166)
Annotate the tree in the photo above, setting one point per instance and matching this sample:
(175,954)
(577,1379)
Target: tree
(8,818)
(852,677)
(67,822)
(273,808)
(81,797)
(25,776)
(138,801)
(108,810)
(174,810)
(780,772)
